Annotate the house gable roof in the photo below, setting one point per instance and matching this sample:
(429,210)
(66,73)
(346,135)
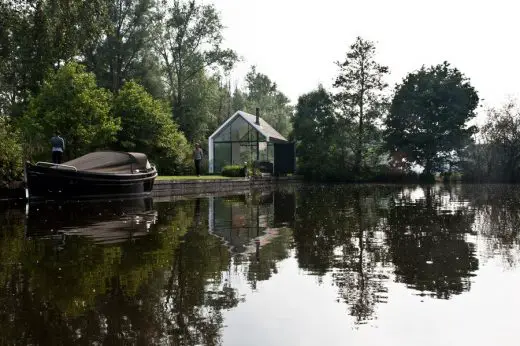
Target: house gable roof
(264,128)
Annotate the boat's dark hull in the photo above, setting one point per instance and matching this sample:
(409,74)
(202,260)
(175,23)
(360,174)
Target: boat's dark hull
(51,183)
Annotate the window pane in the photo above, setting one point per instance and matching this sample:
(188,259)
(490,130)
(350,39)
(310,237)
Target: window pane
(224,135)
(222,156)
(270,152)
(239,129)
(247,152)
(263,151)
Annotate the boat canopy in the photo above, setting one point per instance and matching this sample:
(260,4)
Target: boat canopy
(111,162)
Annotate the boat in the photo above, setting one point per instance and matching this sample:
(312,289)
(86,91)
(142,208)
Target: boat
(101,174)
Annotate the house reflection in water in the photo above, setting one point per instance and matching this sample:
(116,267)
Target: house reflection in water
(247,222)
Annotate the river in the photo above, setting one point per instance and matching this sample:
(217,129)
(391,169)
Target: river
(307,264)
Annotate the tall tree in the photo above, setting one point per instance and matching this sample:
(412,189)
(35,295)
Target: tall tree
(238,100)
(501,134)
(118,55)
(314,131)
(428,116)
(360,85)
(204,98)
(189,40)
(40,34)
(262,92)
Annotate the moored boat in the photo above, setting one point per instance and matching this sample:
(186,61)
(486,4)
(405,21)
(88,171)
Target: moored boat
(101,174)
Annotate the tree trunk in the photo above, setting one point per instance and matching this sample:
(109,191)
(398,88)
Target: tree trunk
(177,104)
(115,74)
(428,168)
(359,149)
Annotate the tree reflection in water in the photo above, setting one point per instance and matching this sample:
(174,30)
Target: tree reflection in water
(58,289)
(365,235)
(164,273)
(427,241)
(128,272)
(339,229)
(497,209)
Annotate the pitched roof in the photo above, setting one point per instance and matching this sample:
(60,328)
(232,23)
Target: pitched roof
(264,128)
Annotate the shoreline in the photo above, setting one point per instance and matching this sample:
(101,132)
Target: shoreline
(15,191)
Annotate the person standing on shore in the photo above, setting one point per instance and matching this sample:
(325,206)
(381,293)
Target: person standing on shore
(58,146)
(198,154)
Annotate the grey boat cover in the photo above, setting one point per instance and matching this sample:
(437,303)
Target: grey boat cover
(111,162)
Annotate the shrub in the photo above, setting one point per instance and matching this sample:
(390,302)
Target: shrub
(69,101)
(146,126)
(233,171)
(11,152)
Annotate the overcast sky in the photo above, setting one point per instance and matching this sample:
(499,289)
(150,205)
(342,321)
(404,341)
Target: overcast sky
(295,42)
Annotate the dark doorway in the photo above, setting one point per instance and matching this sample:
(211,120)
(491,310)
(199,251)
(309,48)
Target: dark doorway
(284,158)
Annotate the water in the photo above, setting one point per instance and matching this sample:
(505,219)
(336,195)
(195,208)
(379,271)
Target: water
(301,265)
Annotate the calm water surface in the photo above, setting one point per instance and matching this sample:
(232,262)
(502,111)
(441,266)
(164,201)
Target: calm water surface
(301,265)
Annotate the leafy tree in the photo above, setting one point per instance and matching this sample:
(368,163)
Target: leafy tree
(11,153)
(314,132)
(428,115)
(38,35)
(361,86)
(502,133)
(123,53)
(204,97)
(10,84)
(189,40)
(263,93)
(71,102)
(146,126)
(325,148)
(496,158)
(238,101)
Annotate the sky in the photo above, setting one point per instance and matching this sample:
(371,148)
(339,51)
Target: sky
(296,42)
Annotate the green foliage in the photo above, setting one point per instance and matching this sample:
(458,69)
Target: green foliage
(123,53)
(314,132)
(361,100)
(205,108)
(497,157)
(263,93)
(189,40)
(428,115)
(325,142)
(233,171)
(11,153)
(147,127)
(39,35)
(70,102)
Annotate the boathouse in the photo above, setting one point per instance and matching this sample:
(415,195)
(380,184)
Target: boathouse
(248,138)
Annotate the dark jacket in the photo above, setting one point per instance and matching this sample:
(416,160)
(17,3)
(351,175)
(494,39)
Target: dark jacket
(57,143)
